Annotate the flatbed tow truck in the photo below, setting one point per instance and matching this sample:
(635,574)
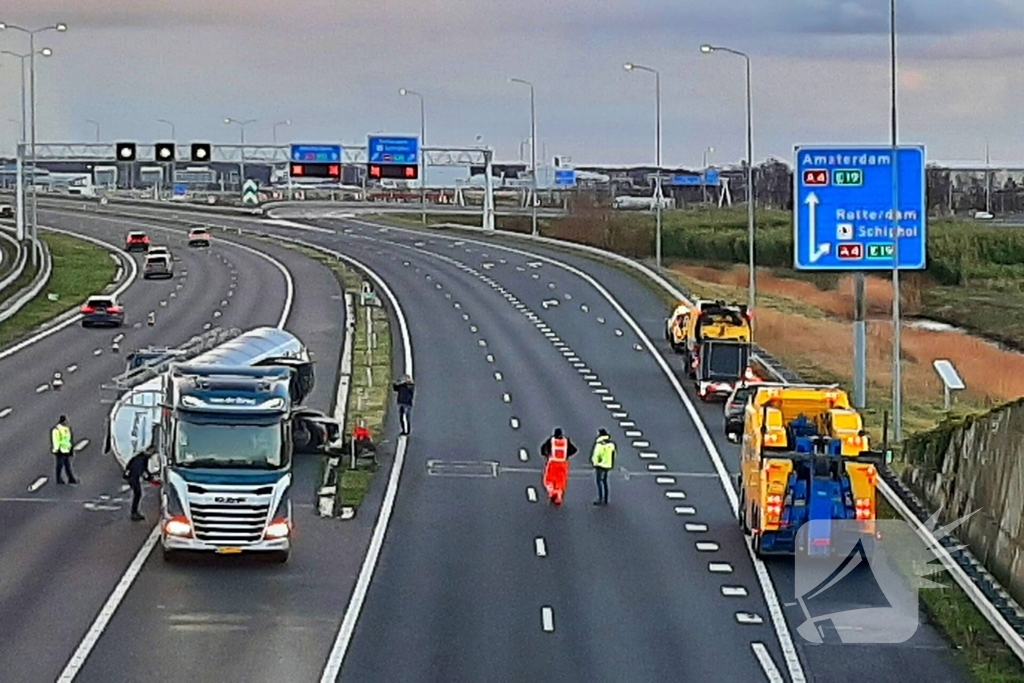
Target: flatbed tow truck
(805,458)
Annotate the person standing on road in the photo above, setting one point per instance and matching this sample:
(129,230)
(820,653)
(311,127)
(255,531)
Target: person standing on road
(603,460)
(61,447)
(557,449)
(135,471)
(404,389)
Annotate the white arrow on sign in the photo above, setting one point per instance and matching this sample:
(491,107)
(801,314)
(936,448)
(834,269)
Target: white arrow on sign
(816,250)
(549,303)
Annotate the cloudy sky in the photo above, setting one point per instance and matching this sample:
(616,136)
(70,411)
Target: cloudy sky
(334,68)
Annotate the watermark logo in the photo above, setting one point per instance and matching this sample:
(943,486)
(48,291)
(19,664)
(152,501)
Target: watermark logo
(855,585)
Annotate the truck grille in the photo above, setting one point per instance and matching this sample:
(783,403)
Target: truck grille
(235,523)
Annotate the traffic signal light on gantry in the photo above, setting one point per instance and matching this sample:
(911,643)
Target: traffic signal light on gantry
(201,151)
(164,151)
(125,151)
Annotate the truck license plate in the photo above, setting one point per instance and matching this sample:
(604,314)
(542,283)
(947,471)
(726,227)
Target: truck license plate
(228,551)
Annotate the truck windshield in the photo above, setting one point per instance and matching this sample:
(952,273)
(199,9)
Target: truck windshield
(229,445)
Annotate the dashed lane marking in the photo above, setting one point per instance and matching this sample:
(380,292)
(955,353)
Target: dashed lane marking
(707,546)
(633,433)
(749,618)
(473,329)
(539,547)
(498,376)
(648,455)
(482,342)
(720,567)
(665,481)
(531,494)
(675,495)
(514,422)
(593,382)
(524,455)
(6,411)
(506,398)
(81,445)
(41,388)
(641,444)
(696,528)
(602,390)
(618,333)
(72,368)
(613,406)
(547,614)
(620,415)
(490,358)
(37,484)
(607,399)
(734,591)
(685,510)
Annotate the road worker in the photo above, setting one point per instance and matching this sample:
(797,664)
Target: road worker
(557,450)
(62,449)
(603,460)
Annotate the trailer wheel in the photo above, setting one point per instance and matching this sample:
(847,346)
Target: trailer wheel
(743,511)
(757,537)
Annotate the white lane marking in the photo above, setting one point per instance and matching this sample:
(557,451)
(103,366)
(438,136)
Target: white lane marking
(465,316)
(602,390)
(506,398)
(749,618)
(41,388)
(584,308)
(734,591)
(498,376)
(656,467)
(216,314)
(514,422)
(771,671)
(600,320)
(634,433)
(77,660)
(568,296)
(6,411)
(648,455)
(524,455)
(618,333)
(590,377)
(572,358)
(685,510)
(481,342)
(539,547)
(551,285)
(37,484)
(627,423)
(72,368)
(81,445)
(641,444)
(457,305)
(607,399)
(667,481)
(593,382)
(97,352)
(720,567)
(531,494)
(613,406)
(547,615)
(490,358)
(580,365)
(473,328)
(675,495)
(620,415)
(707,546)
(696,528)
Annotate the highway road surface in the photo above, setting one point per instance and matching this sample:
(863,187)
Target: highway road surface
(479,579)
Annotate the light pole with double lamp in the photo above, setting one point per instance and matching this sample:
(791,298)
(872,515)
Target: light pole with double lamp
(630,66)
(241,152)
(533,149)
(404,92)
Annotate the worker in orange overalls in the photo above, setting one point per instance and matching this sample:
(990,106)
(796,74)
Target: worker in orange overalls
(557,449)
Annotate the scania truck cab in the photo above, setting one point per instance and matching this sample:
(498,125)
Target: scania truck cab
(225,424)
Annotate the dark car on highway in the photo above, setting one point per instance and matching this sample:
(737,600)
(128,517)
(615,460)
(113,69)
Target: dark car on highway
(136,241)
(102,311)
(735,406)
(157,267)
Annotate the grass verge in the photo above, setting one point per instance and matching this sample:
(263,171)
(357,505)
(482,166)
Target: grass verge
(80,269)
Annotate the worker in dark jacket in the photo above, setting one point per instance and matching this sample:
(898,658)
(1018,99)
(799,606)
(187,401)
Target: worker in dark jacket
(557,450)
(135,471)
(404,389)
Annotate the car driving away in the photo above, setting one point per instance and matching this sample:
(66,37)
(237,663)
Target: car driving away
(159,251)
(136,241)
(102,311)
(158,266)
(198,237)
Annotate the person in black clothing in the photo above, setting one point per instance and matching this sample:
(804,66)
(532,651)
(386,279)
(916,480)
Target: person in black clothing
(404,389)
(135,471)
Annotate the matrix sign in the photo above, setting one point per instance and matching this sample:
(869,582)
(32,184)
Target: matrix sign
(316,170)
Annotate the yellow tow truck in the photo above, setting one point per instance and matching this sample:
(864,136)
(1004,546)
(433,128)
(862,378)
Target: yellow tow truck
(805,458)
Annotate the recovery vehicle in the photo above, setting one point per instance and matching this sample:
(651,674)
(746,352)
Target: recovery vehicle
(224,418)
(805,458)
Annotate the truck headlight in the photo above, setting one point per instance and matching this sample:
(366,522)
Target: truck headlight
(279,528)
(281,524)
(178,526)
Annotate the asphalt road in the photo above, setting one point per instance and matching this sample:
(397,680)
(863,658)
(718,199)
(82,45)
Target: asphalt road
(277,622)
(460,589)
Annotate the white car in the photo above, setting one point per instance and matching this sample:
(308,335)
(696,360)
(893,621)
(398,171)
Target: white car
(159,251)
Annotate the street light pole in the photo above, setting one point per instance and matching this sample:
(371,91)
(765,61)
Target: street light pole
(97,124)
(658,200)
(241,152)
(533,150)
(897,342)
(704,169)
(423,135)
(286,122)
(751,279)
(32,127)
(173,136)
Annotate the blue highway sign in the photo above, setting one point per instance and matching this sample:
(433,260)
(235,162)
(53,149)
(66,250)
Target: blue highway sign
(316,153)
(565,177)
(685,180)
(711,176)
(843,215)
(394,150)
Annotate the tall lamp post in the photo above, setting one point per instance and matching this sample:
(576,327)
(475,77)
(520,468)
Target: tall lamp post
(897,343)
(46,52)
(533,148)
(423,133)
(704,168)
(241,152)
(286,122)
(629,66)
(97,124)
(171,124)
(751,294)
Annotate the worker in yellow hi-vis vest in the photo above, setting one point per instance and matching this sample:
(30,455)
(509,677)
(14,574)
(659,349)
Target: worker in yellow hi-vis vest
(603,460)
(62,448)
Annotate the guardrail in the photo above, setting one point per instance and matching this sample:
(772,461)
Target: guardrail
(21,298)
(991,599)
(19,262)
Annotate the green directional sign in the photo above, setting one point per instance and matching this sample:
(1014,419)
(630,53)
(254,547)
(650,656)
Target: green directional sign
(849,177)
(881,251)
(250,192)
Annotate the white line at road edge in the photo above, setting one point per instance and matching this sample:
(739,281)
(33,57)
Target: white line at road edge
(771,597)
(771,671)
(99,625)
(78,316)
